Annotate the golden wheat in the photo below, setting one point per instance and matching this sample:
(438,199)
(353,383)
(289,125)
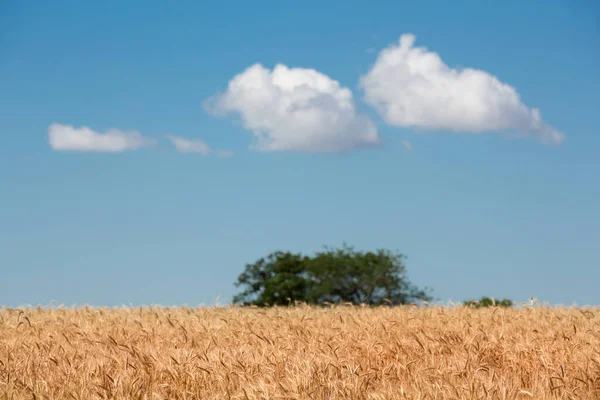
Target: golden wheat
(300,353)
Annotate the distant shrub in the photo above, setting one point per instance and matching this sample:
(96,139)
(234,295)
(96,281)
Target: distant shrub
(488,302)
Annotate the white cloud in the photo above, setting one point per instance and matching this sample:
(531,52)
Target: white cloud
(69,138)
(189,146)
(295,109)
(412,87)
(407,145)
(183,145)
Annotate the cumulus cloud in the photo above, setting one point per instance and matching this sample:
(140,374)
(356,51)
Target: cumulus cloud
(295,109)
(183,145)
(412,87)
(69,138)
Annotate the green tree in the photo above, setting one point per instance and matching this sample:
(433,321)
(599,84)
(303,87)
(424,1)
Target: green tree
(273,280)
(334,276)
(373,278)
(488,302)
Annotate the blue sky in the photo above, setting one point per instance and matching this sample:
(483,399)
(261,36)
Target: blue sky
(404,150)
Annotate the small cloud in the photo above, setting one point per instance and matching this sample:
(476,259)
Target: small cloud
(295,109)
(69,138)
(407,145)
(412,87)
(189,146)
(183,145)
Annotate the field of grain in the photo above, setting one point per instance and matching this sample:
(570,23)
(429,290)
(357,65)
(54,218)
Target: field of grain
(300,353)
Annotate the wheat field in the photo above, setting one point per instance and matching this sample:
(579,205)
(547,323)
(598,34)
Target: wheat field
(342,352)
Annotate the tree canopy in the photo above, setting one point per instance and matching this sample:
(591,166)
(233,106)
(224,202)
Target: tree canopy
(340,275)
